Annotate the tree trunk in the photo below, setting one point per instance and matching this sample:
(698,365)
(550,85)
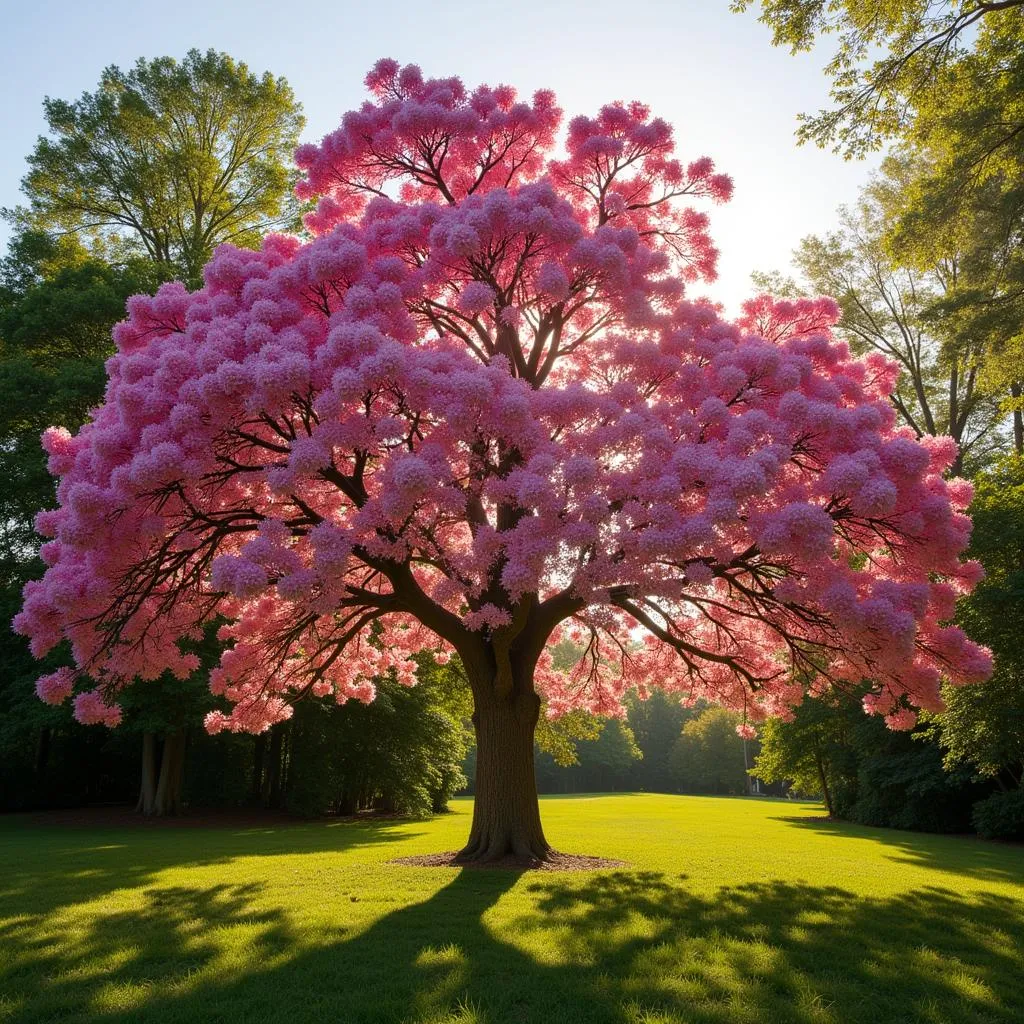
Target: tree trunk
(506,814)
(272,773)
(1018,420)
(826,795)
(259,748)
(43,750)
(147,784)
(172,764)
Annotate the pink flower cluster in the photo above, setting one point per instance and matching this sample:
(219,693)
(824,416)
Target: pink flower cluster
(478,408)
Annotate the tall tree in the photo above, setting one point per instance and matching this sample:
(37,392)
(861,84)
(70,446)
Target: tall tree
(812,752)
(892,57)
(971,191)
(58,305)
(945,82)
(890,307)
(984,727)
(482,416)
(708,755)
(170,158)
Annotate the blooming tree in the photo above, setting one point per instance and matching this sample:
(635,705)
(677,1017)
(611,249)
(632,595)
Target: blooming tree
(476,414)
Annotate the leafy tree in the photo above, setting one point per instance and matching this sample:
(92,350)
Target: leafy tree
(655,723)
(971,132)
(708,755)
(58,305)
(892,58)
(402,753)
(601,761)
(864,771)
(169,159)
(889,307)
(984,728)
(811,752)
(482,416)
(944,81)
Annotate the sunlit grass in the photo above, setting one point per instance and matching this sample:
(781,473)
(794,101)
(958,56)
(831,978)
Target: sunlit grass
(731,911)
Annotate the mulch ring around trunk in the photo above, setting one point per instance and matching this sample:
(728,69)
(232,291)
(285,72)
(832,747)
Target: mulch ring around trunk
(553,862)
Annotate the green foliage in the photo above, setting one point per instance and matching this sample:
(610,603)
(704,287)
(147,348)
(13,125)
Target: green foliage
(983,726)
(970,128)
(944,83)
(169,159)
(891,58)
(811,752)
(864,771)
(603,759)
(57,308)
(656,724)
(559,738)
(401,753)
(1000,816)
(901,783)
(889,305)
(708,755)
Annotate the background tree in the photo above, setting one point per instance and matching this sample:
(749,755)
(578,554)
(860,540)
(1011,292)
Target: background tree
(892,307)
(655,723)
(479,418)
(943,83)
(58,304)
(984,729)
(708,755)
(865,772)
(402,753)
(169,159)
(601,762)
(971,189)
(811,752)
(892,58)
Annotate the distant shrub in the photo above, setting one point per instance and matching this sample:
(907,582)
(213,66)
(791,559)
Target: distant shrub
(1000,816)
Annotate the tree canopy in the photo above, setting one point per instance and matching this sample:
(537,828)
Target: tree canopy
(170,159)
(479,417)
(893,60)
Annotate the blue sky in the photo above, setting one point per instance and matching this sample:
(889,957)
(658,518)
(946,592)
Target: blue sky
(712,73)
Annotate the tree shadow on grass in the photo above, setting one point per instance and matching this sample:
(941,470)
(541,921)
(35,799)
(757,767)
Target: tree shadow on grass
(960,855)
(492,947)
(58,869)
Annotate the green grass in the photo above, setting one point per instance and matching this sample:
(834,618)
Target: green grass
(732,911)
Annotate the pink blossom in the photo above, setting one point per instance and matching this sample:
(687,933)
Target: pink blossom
(56,687)
(92,709)
(478,410)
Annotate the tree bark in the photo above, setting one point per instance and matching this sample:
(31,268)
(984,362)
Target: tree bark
(1018,421)
(272,772)
(147,783)
(826,795)
(43,750)
(172,764)
(259,748)
(506,813)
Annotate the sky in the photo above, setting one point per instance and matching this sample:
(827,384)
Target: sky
(711,73)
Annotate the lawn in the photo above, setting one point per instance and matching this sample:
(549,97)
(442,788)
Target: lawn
(731,911)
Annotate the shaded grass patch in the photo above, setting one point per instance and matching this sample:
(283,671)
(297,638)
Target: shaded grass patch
(731,912)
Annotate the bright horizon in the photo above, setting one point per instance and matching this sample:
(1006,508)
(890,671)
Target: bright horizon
(712,74)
